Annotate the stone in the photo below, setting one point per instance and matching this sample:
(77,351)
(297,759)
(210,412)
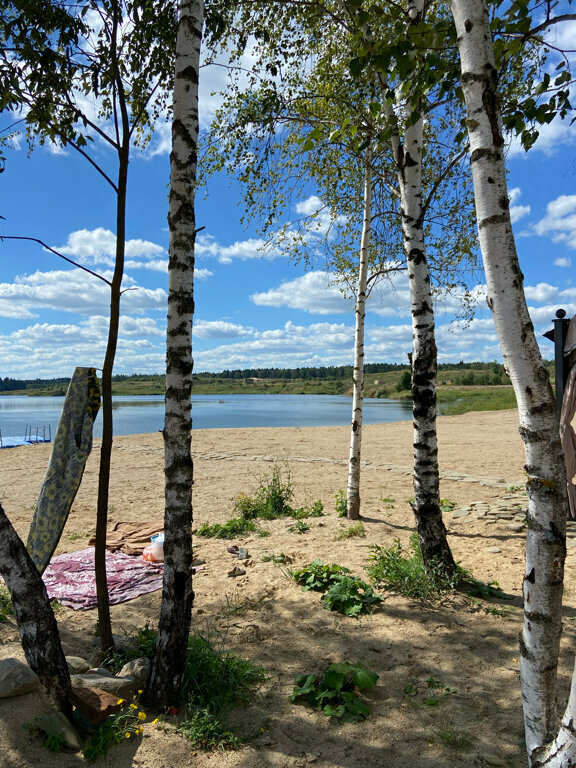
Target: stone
(94,703)
(99,671)
(570,543)
(139,669)
(121,687)
(16,678)
(77,665)
(515,527)
(494,550)
(56,724)
(461,513)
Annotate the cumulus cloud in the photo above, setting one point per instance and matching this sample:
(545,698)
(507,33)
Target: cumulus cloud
(219,329)
(252,248)
(552,137)
(73,291)
(98,247)
(562,261)
(517,212)
(560,221)
(311,292)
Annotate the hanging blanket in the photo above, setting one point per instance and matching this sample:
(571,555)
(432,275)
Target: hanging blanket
(70,451)
(70,578)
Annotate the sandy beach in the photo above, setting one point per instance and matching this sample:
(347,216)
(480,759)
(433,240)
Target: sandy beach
(470,646)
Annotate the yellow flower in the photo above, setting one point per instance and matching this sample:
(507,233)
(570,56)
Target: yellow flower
(133,706)
(154,721)
(120,701)
(127,734)
(141,715)
(140,692)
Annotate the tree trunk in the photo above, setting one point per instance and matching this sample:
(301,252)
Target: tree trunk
(546,484)
(354,468)
(177,594)
(104,623)
(431,529)
(36,622)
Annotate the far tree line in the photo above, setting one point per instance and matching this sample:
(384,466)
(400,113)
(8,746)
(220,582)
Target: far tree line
(475,373)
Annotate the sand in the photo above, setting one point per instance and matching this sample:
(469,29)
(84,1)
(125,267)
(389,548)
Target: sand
(471,647)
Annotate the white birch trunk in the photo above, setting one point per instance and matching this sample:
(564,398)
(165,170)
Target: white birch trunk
(354,464)
(545,541)
(408,158)
(177,595)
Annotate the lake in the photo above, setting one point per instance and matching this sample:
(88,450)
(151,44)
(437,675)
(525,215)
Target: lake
(140,414)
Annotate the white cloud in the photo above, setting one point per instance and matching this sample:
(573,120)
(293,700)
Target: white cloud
(560,221)
(252,248)
(311,205)
(219,329)
(517,212)
(311,293)
(552,137)
(562,261)
(98,246)
(73,291)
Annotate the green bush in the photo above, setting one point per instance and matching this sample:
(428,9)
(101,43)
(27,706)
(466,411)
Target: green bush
(272,500)
(343,593)
(351,596)
(237,526)
(319,576)
(334,691)
(394,569)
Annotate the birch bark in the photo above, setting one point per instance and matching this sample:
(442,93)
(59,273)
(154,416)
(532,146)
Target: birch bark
(546,484)
(354,467)
(177,595)
(36,622)
(408,158)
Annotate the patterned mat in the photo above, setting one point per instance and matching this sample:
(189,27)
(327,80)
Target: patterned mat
(70,578)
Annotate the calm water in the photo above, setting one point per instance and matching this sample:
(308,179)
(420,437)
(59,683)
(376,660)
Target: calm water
(137,415)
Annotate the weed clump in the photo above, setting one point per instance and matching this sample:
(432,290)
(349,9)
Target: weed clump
(236,526)
(344,593)
(396,570)
(214,681)
(334,691)
(272,500)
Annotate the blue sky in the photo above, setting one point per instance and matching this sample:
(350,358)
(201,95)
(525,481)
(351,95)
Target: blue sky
(251,310)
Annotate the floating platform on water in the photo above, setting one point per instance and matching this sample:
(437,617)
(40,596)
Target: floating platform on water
(32,436)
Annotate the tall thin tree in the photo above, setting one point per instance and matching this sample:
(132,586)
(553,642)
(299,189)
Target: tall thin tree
(177,595)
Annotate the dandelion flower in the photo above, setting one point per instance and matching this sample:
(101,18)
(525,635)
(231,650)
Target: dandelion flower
(120,701)
(133,706)
(127,734)
(154,721)
(141,715)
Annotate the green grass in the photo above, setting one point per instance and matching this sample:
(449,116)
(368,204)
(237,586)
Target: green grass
(449,737)
(6,607)
(352,531)
(452,402)
(214,682)
(402,571)
(237,526)
(272,499)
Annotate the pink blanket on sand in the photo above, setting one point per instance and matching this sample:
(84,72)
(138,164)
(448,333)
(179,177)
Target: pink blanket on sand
(70,578)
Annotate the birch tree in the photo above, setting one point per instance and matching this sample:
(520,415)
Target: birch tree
(333,99)
(119,59)
(539,428)
(177,595)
